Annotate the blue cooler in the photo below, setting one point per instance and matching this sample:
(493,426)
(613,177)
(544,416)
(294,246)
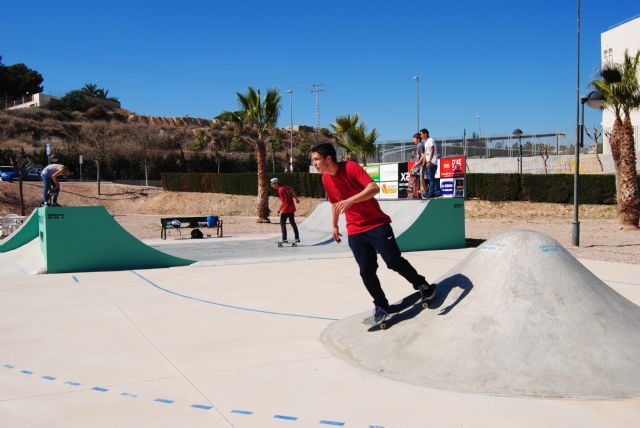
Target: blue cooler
(212,220)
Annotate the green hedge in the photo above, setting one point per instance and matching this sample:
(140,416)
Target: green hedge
(556,188)
(243,183)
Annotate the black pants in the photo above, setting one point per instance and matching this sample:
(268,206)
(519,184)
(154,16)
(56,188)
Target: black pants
(382,241)
(292,222)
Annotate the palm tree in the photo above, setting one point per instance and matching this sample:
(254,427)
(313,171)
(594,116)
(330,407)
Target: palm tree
(354,138)
(90,89)
(619,85)
(262,114)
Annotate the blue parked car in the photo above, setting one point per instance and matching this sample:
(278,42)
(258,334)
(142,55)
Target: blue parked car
(7,173)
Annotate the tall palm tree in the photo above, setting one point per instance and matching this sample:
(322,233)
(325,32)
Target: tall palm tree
(619,85)
(353,137)
(262,114)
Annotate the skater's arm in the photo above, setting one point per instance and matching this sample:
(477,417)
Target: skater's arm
(367,193)
(336,230)
(54,177)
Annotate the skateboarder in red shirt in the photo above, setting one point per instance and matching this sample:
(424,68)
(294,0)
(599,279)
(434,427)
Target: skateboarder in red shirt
(351,191)
(287,209)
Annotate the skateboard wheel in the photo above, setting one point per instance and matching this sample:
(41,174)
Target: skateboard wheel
(425,305)
(294,245)
(279,245)
(383,326)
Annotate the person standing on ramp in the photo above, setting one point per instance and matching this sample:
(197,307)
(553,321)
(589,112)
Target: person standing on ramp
(351,192)
(287,209)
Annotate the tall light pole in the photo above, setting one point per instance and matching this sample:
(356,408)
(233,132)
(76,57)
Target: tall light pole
(479,126)
(290,92)
(417,102)
(593,99)
(518,133)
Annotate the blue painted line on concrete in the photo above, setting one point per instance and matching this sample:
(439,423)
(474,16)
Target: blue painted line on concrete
(72,383)
(75,279)
(28,372)
(334,423)
(48,378)
(8,366)
(210,302)
(376,426)
(287,418)
(128,394)
(164,400)
(99,389)
(201,406)
(242,412)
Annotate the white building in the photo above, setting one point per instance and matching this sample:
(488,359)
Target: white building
(31,100)
(614,42)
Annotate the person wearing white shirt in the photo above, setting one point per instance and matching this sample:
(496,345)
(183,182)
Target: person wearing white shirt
(431,163)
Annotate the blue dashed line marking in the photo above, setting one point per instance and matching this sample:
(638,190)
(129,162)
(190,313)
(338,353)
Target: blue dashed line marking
(549,248)
(242,412)
(287,418)
(195,406)
(75,279)
(201,406)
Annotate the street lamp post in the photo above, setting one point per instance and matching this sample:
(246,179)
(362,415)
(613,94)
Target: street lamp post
(417,102)
(593,99)
(290,92)
(518,133)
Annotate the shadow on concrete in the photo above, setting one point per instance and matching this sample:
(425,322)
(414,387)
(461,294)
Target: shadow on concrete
(411,306)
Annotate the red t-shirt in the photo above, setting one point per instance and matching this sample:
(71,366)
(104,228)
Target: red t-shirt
(286,198)
(351,179)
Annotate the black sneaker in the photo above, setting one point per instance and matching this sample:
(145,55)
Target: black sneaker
(379,314)
(284,241)
(427,291)
(297,241)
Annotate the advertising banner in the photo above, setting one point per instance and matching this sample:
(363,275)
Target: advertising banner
(389,190)
(403,180)
(389,172)
(373,171)
(452,167)
(446,187)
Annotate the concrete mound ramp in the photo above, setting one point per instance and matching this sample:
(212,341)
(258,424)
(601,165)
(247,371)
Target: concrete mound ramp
(519,316)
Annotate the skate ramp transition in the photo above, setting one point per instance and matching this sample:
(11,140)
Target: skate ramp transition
(432,224)
(82,239)
(23,235)
(519,316)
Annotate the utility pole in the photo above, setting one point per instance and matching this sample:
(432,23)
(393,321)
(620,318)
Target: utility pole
(317,88)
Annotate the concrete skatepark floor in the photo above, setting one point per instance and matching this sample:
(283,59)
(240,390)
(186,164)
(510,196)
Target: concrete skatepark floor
(236,345)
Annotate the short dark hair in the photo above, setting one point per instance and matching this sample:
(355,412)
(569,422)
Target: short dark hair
(70,168)
(325,149)
(424,131)
(416,135)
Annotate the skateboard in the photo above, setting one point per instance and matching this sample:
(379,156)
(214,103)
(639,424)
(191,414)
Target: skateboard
(53,192)
(404,309)
(287,244)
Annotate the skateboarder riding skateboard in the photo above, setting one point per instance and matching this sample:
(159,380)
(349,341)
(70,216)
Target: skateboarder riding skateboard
(351,192)
(287,210)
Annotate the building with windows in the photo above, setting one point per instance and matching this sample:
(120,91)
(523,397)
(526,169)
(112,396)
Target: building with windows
(614,42)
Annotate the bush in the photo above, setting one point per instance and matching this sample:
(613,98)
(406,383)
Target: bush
(245,183)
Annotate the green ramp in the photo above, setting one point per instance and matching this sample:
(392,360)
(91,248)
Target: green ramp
(27,231)
(87,239)
(440,226)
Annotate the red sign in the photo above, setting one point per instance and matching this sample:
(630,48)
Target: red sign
(452,167)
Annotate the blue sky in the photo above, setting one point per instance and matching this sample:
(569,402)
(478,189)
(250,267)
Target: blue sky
(513,63)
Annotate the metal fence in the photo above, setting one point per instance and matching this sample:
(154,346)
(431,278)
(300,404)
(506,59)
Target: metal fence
(493,146)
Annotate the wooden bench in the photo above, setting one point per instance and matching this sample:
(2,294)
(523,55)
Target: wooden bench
(190,222)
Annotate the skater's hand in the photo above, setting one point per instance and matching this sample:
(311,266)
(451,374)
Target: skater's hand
(336,235)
